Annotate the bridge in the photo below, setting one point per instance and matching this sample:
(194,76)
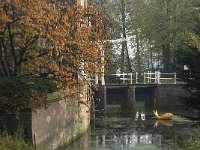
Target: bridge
(132,78)
(160,90)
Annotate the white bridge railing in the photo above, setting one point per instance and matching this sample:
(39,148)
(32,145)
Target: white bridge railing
(148,77)
(157,77)
(126,77)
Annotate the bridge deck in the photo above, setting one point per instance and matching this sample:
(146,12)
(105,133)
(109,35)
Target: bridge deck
(121,85)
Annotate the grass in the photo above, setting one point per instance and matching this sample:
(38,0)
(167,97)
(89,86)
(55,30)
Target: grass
(15,142)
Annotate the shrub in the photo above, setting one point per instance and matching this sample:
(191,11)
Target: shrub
(15,142)
(19,93)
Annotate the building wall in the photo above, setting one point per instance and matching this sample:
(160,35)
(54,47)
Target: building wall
(62,122)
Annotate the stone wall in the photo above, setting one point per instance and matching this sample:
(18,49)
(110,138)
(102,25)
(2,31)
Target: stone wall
(168,95)
(61,122)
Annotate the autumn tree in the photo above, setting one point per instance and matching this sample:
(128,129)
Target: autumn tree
(56,40)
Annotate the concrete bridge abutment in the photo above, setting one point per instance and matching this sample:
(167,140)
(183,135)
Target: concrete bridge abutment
(156,95)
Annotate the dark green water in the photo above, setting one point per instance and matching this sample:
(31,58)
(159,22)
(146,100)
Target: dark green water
(118,132)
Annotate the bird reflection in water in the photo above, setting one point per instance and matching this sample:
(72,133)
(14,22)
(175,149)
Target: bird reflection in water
(168,123)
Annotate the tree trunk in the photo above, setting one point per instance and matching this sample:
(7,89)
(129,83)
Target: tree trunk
(166,57)
(138,57)
(124,42)
(166,45)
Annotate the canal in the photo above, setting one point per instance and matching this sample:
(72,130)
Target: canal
(117,131)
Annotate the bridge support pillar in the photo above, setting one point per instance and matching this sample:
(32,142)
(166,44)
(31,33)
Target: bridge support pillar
(131,97)
(103,98)
(128,104)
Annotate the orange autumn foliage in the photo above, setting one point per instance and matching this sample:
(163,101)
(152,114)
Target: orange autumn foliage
(59,36)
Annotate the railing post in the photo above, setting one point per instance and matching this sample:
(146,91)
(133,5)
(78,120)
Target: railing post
(123,77)
(96,78)
(102,80)
(103,140)
(148,77)
(174,77)
(131,78)
(144,78)
(158,77)
(136,76)
(156,80)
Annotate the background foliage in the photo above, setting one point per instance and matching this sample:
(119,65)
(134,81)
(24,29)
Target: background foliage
(188,61)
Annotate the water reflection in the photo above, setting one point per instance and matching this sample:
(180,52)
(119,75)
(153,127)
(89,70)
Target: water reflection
(139,115)
(163,122)
(126,141)
(141,131)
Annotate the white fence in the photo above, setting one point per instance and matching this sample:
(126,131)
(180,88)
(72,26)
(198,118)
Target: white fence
(158,77)
(126,77)
(149,77)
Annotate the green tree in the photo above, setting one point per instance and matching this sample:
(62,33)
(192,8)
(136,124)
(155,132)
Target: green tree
(159,26)
(135,27)
(155,27)
(188,61)
(115,21)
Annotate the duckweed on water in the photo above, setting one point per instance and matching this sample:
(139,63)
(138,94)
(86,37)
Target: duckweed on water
(192,144)
(116,120)
(180,119)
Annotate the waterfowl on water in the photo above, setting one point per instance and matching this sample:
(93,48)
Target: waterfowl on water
(165,116)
